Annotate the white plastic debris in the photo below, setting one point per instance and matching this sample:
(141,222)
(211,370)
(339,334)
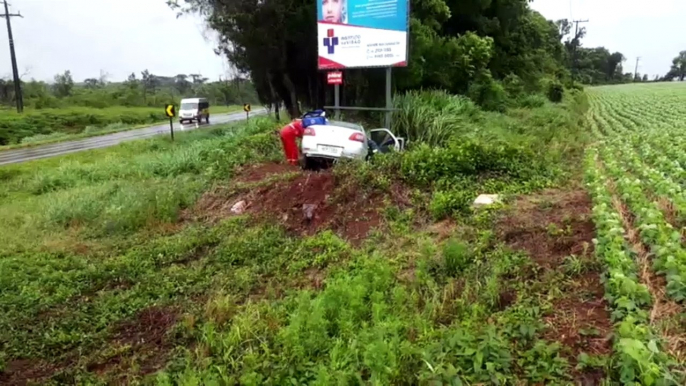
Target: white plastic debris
(308,211)
(486,200)
(239,207)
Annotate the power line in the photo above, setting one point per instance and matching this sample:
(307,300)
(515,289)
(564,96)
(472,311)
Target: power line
(15,72)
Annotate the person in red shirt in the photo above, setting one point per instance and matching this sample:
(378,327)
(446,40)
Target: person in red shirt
(289,134)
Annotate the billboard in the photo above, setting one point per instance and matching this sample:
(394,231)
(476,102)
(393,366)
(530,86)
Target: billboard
(362,33)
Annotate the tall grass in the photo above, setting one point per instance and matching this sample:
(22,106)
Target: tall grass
(432,117)
(122,189)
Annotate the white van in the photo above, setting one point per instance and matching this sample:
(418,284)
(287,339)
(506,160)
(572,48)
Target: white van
(194,109)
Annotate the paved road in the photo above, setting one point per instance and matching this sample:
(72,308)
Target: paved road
(55,149)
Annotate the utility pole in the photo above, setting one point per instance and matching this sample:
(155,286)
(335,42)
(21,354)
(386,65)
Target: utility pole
(636,69)
(15,72)
(576,40)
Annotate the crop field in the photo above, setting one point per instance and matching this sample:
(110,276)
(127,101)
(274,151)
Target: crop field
(132,265)
(636,176)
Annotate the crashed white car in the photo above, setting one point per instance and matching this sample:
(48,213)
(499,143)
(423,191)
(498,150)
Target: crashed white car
(336,140)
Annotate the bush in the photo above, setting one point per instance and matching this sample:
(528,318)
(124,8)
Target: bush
(427,166)
(456,257)
(431,117)
(555,92)
(513,86)
(445,204)
(489,94)
(531,101)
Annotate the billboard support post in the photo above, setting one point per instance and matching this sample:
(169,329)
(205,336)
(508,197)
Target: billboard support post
(337,101)
(389,99)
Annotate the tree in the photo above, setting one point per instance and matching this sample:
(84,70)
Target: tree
(64,84)
(453,44)
(181,83)
(645,78)
(678,70)
(149,83)
(91,83)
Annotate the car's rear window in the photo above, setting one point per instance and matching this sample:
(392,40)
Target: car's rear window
(347,125)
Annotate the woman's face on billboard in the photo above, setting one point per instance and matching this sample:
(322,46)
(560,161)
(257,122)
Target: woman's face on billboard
(332,10)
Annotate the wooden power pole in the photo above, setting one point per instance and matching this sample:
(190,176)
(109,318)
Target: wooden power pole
(15,71)
(636,68)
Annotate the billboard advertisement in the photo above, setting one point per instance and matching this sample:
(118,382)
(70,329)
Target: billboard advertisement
(362,33)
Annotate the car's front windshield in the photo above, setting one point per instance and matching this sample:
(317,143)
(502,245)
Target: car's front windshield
(189,106)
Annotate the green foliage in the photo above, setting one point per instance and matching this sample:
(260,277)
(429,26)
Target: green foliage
(453,45)
(555,91)
(457,257)
(445,204)
(489,94)
(531,101)
(14,127)
(431,117)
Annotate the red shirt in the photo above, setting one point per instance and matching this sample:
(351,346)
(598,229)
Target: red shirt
(297,127)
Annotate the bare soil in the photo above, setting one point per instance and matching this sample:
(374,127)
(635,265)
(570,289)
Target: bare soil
(350,210)
(25,371)
(145,336)
(549,227)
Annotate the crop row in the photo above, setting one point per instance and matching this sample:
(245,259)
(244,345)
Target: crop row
(655,231)
(639,358)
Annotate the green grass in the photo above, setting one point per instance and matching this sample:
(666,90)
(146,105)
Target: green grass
(103,279)
(96,130)
(225,109)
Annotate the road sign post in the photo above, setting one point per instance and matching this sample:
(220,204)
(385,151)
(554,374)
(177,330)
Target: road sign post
(247,108)
(170,111)
(336,78)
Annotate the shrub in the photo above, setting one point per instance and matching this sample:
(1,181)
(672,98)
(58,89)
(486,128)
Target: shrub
(456,256)
(446,204)
(427,166)
(431,117)
(531,101)
(555,92)
(513,86)
(489,94)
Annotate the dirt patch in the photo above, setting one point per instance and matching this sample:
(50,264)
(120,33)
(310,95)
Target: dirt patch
(25,371)
(581,320)
(145,342)
(550,226)
(305,204)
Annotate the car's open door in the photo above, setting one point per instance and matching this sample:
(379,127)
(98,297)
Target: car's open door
(385,140)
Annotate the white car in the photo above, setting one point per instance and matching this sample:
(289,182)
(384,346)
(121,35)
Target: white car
(336,140)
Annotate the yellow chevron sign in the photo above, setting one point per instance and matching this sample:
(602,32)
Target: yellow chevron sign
(170,110)
(246,107)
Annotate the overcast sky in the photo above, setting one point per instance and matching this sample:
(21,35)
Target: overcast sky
(655,30)
(124,36)
(116,36)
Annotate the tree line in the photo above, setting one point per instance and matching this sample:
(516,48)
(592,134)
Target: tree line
(144,90)
(488,50)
